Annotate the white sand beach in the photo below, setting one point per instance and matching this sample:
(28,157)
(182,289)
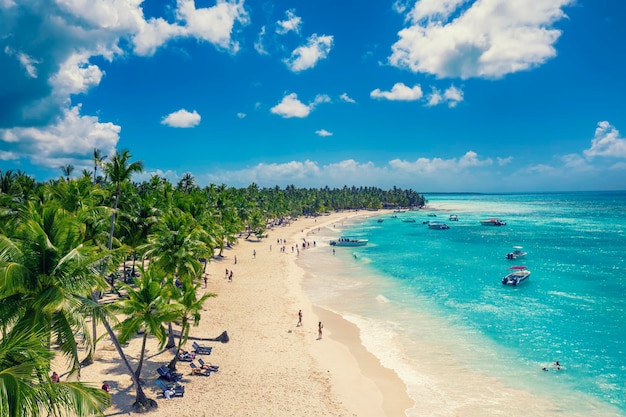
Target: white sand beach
(270,366)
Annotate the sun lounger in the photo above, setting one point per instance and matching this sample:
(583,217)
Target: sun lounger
(199,371)
(202,350)
(170,391)
(210,367)
(165,373)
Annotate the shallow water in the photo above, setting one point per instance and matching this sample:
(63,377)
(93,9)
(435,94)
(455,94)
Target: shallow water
(430,303)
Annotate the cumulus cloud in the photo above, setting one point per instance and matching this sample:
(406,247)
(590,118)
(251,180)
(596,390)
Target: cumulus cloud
(291,24)
(241,115)
(291,106)
(323,133)
(307,56)
(181,118)
(399,92)
(66,140)
(49,62)
(485,39)
(606,142)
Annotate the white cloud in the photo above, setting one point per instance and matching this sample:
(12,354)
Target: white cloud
(606,142)
(323,133)
(259,45)
(434,98)
(69,138)
(182,118)
(346,98)
(26,61)
(307,56)
(399,92)
(241,115)
(290,106)
(504,161)
(453,96)
(291,24)
(487,38)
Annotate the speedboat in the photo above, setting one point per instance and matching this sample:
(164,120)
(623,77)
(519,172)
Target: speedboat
(454,218)
(494,221)
(432,215)
(380,220)
(517,253)
(348,241)
(518,275)
(438,225)
(408,220)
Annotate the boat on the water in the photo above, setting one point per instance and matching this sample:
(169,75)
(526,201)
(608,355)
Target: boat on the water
(438,225)
(518,275)
(432,215)
(408,220)
(454,218)
(380,220)
(494,221)
(348,241)
(517,253)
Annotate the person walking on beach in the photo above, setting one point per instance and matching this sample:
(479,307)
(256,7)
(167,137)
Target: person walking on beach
(206,281)
(230,277)
(299,318)
(254,253)
(320,326)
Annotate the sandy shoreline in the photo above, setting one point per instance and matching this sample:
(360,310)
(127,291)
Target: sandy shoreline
(270,367)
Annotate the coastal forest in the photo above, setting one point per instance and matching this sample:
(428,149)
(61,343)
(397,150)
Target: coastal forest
(67,242)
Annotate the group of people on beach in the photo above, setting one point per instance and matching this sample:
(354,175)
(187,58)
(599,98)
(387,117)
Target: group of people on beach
(320,326)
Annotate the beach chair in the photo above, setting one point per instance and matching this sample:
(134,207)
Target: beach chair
(169,391)
(202,350)
(199,371)
(165,373)
(210,367)
(186,356)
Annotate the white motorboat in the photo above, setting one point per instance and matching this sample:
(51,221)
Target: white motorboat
(494,221)
(517,253)
(438,225)
(518,275)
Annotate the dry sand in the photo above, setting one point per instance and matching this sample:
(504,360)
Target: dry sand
(270,366)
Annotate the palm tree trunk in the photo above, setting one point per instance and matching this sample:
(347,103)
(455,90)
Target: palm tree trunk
(141,400)
(170,336)
(141,355)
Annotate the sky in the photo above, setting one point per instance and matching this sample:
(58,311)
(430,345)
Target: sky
(433,95)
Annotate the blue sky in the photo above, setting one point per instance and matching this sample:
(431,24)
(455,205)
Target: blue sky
(436,95)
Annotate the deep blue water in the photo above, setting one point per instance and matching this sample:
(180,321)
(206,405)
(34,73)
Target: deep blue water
(571,309)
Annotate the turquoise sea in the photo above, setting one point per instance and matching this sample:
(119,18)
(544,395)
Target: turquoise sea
(430,303)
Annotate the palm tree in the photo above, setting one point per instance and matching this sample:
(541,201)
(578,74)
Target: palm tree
(189,313)
(67,171)
(146,308)
(26,389)
(46,276)
(98,160)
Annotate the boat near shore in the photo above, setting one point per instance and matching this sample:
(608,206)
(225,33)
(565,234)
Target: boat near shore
(348,241)
(438,225)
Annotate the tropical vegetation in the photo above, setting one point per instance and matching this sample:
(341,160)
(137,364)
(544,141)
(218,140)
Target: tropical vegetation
(62,243)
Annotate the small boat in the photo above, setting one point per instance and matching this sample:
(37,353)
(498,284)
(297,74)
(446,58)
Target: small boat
(408,220)
(380,220)
(517,253)
(454,218)
(494,221)
(432,215)
(438,225)
(348,241)
(518,275)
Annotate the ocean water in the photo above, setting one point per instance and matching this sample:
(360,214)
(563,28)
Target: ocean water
(431,306)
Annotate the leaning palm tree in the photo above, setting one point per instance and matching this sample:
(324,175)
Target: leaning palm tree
(146,308)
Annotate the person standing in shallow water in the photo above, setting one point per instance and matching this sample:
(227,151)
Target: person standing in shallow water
(320,326)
